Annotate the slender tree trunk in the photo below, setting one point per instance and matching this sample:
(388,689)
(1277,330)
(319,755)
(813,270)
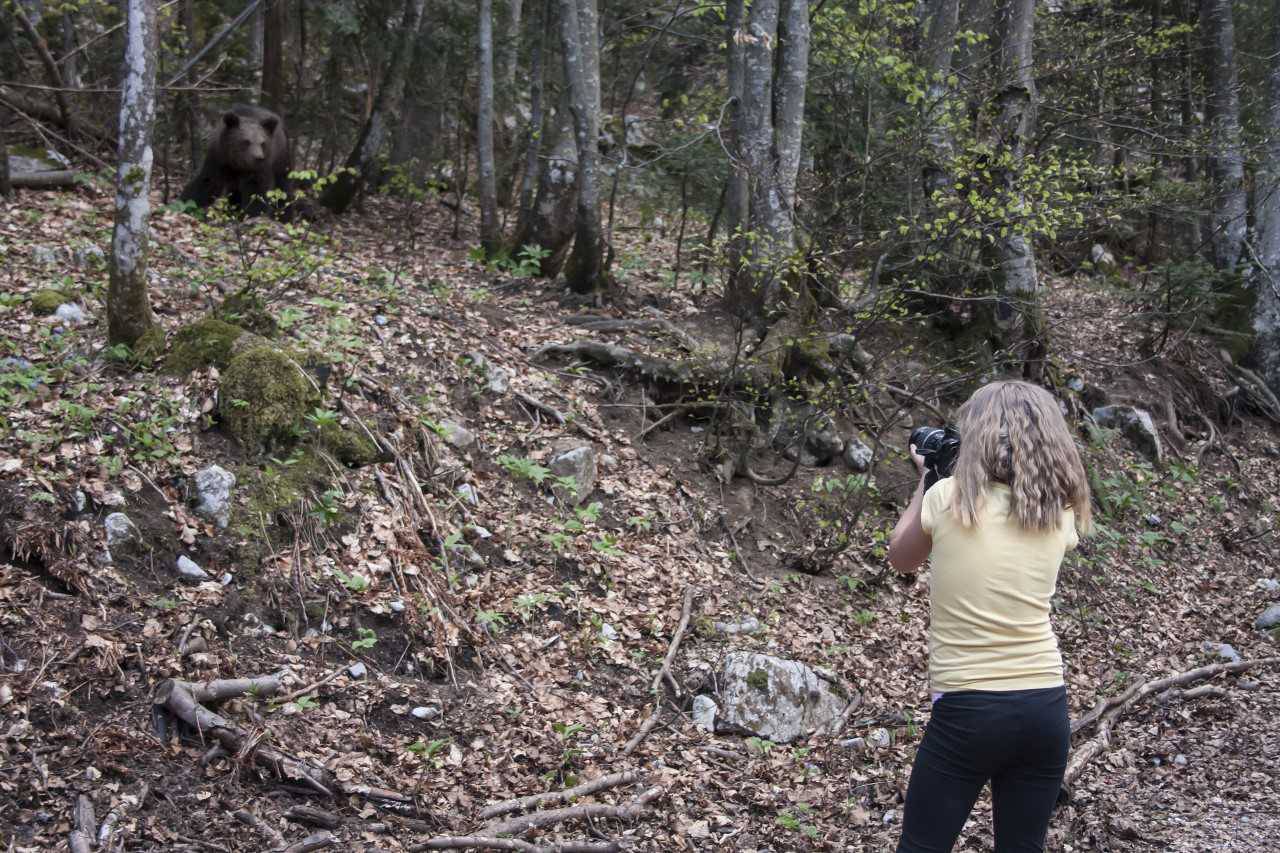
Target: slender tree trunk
(1225,147)
(940,40)
(71,65)
(508,51)
(736,206)
(1019,314)
(585,271)
(5,187)
(274,21)
(551,221)
(789,97)
(363,159)
(50,67)
(1266,322)
(490,236)
(533,139)
(128,307)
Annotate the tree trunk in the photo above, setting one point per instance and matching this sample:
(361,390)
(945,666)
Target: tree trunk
(940,40)
(490,236)
(274,21)
(551,221)
(1019,315)
(533,140)
(578,25)
(50,67)
(735,200)
(508,50)
(793,78)
(363,159)
(70,65)
(5,188)
(1226,153)
(128,307)
(1266,321)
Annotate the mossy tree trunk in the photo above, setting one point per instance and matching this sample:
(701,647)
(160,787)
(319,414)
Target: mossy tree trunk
(129,315)
(490,234)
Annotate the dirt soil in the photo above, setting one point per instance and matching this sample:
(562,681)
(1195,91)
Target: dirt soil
(524,662)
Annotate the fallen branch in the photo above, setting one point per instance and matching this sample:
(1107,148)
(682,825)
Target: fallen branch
(611,355)
(461,842)
(303,691)
(1108,710)
(539,406)
(315,841)
(82,836)
(587,811)
(593,786)
(313,817)
(250,819)
(664,673)
(223,689)
(58,179)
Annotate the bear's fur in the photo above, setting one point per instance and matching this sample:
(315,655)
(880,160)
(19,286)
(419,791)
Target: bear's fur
(247,159)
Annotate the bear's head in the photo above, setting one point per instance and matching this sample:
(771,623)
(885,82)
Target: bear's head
(246,142)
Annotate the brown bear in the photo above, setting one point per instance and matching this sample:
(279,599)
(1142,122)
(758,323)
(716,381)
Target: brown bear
(246,160)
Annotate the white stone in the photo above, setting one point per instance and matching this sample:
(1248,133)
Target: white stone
(456,435)
(745,625)
(704,713)
(213,489)
(609,632)
(397,606)
(468,493)
(120,529)
(191,570)
(778,699)
(1137,426)
(880,738)
(425,712)
(857,455)
(578,462)
(1270,618)
(357,670)
(69,312)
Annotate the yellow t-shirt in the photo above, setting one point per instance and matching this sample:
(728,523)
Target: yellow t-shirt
(989,594)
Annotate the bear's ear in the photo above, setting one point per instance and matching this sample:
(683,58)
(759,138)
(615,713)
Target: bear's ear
(231,119)
(270,124)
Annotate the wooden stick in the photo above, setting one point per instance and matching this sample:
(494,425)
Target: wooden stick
(51,180)
(592,786)
(314,817)
(248,818)
(289,697)
(85,825)
(1107,711)
(535,820)
(459,842)
(315,841)
(219,690)
(50,67)
(663,673)
(537,405)
(215,41)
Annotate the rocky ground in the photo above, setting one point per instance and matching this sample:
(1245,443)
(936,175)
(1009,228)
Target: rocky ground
(446,625)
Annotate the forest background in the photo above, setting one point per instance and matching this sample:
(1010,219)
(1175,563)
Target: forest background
(575,370)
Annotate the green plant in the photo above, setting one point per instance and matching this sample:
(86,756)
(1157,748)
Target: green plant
(328,506)
(491,619)
(529,602)
(368,639)
(864,617)
(519,466)
(305,703)
(640,523)
(796,822)
(322,418)
(353,582)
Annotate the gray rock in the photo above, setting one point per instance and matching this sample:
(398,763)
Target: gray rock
(397,606)
(1153,519)
(1179,760)
(1102,259)
(579,462)
(89,257)
(468,493)
(120,529)
(213,492)
(79,502)
(704,713)
(380,319)
(609,632)
(1269,585)
(456,435)
(71,313)
(468,555)
(46,256)
(226,579)
(849,349)
(191,570)
(482,532)
(499,380)
(858,456)
(357,670)
(425,712)
(745,625)
(880,739)
(790,420)
(1136,425)
(1075,383)
(855,743)
(1270,618)
(1223,650)
(778,699)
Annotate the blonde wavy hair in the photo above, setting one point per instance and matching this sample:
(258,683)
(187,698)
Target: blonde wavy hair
(1013,432)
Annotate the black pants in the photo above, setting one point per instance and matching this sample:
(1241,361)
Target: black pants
(1017,739)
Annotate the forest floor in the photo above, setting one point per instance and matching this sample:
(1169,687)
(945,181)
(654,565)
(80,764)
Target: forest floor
(525,662)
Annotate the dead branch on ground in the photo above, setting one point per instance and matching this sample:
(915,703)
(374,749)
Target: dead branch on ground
(587,811)
(592,786)
(315,841)
(1108,710)
(51,180)
(664,673)
(462,842)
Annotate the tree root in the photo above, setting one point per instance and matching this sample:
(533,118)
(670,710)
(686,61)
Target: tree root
(1108,710)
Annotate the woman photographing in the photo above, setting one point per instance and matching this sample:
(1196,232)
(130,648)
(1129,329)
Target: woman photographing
(996,532)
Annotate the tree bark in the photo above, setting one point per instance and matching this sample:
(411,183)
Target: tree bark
(1266,321)
(578,31)
(363,159)
(1226,154)
(1019,315)
(189,101)
(533,141)
(508,50)
(940,40)
(50,67)
(490,236)
(274,21)
(129,314)
(6,188)
(736,207)
(550,224)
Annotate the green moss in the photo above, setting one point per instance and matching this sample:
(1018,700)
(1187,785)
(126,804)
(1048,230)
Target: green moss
(348,446)
(759,679)
(148,348)
(262,398)
(283,486)
(205,343)
(247,310)
(45,302)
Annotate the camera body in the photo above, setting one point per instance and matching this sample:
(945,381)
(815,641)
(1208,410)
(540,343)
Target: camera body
(939,447)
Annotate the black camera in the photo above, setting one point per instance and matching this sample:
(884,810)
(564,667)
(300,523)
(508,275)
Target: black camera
(939,447)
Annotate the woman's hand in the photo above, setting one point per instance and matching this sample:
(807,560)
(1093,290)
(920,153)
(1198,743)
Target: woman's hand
(916,458)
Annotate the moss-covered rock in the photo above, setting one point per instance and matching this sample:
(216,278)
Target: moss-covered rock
(148,349)
(247,310)
(204,343)
(262,398)
(45,302)
(349,446)
(281,487)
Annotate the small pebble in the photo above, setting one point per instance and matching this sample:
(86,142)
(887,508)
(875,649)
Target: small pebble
(357,670)
(397,606)
(189,568)
(1180,760)
(425,712)
(380,319)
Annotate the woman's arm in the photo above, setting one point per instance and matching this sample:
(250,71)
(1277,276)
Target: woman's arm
(909,546)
